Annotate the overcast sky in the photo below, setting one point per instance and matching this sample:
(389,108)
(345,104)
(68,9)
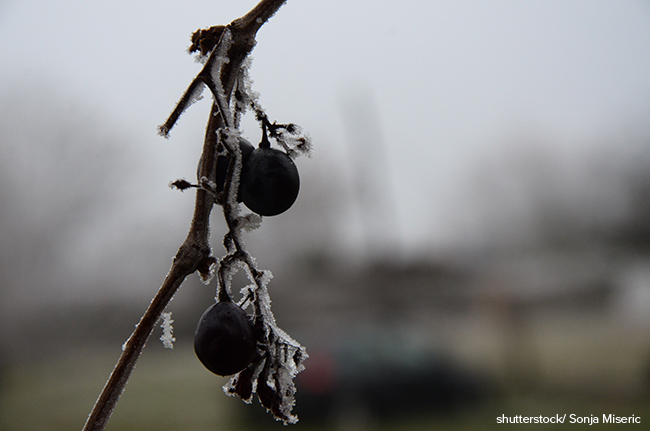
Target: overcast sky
(441,86)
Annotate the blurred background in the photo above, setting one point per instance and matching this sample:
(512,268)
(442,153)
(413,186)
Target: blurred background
(472,236)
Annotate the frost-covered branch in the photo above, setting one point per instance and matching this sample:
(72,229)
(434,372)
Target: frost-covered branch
(195,253)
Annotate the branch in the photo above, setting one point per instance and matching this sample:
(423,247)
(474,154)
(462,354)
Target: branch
(253,20)
(243,31)
(185,263)
(194,254)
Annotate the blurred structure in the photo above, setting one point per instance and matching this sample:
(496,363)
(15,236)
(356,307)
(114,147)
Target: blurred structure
(551,297)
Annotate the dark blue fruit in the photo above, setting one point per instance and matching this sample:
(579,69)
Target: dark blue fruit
(224,340)
(223,162)
(269,181)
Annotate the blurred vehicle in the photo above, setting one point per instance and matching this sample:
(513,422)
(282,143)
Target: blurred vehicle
(379,375)
(382,376)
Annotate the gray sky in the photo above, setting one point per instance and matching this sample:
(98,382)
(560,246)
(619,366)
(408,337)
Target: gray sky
(448,85)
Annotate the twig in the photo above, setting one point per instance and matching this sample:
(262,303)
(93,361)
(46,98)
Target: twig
(194,254)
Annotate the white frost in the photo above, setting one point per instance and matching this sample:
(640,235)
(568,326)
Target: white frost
(249,222)
(167,336)
(221,58)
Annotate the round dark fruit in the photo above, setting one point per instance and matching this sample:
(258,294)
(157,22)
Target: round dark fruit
(224,340)
(269,181)
(223,162)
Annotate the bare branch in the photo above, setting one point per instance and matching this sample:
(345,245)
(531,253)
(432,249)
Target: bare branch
(184,264)
(262,12)
(194,254)
(192,94)
(243,31)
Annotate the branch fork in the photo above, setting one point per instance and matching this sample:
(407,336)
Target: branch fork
(225,50)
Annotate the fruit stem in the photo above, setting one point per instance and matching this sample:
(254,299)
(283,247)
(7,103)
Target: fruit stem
(265,137)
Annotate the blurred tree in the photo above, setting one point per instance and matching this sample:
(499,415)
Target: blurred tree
(60,175)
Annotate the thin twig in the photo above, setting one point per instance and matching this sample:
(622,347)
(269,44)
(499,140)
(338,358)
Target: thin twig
(194,253)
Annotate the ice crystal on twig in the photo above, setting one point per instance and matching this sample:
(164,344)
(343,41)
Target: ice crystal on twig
(167,336)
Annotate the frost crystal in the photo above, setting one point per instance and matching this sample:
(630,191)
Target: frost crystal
(245,96)
(167,337)
(220,59)
(231,140)
(298,143)
(249,222)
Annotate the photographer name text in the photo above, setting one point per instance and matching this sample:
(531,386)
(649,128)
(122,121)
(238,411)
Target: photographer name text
(569,418)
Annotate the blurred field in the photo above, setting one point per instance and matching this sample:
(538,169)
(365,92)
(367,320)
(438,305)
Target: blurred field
(170,390)
(576,354)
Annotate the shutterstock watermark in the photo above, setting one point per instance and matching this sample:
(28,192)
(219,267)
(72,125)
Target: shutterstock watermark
(572,418)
